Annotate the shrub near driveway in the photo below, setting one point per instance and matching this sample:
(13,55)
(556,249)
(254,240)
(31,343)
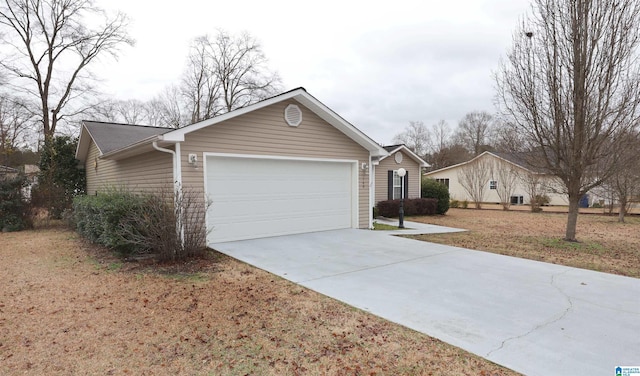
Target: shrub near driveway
(69,308)
(412,206)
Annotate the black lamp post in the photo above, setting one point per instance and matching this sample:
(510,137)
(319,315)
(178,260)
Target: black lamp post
(401,173)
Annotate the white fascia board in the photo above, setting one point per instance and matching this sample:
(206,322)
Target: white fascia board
(339,123)
(84,140)
(413,155)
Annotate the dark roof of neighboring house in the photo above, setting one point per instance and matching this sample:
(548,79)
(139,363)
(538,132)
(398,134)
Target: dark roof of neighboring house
(113,136)
(524,159)
(391,148)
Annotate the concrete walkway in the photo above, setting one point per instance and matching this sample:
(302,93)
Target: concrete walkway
(533,317)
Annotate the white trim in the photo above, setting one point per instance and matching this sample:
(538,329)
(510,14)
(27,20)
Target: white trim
(372,191)
(355,173)
(178,157)
(281,157)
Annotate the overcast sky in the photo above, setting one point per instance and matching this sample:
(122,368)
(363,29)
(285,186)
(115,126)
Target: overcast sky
(377,64)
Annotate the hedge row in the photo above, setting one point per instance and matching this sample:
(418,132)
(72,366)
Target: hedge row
(412,206)
(108,219)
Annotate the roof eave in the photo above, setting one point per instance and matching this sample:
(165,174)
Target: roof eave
(134,149)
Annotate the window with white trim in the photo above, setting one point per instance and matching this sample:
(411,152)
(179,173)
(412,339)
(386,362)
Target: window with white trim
(397,185)
(444,182)
(493,184)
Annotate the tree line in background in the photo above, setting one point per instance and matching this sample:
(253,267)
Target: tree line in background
(47,82)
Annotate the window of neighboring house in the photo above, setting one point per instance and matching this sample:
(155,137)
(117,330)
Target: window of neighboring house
(397,185)
(517,200)
(493,184)
(445,182)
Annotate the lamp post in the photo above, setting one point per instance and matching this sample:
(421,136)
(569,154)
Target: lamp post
(401,173)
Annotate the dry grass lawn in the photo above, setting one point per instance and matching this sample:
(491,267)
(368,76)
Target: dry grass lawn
(70,308)
(604,244)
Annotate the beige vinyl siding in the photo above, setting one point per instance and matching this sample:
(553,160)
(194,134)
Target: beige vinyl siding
(389,163)
(265,132)
(142,173)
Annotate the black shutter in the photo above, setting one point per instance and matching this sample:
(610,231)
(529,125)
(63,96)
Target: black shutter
(390,185)
(406,185)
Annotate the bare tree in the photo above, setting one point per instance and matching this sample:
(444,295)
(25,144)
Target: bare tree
(15,125)
(506,176)
(535,187)
(415,136)
(571,85)
(201,86)
(474,131)
(240,66)
(166,109)
(625,182)
(474,177)
(52,45)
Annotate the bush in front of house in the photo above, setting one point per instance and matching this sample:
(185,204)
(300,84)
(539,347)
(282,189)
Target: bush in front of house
(412,206)
(14,208)
(169,225)
(106,219)
(432,189)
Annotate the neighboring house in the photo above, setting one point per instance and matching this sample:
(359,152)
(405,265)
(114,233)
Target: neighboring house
(500,166)
(285,165)
(7,172)
(388,185)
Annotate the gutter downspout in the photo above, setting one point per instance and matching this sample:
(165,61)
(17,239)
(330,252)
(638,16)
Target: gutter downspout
(177,182)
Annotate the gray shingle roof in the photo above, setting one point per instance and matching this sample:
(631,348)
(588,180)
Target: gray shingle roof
(112,136)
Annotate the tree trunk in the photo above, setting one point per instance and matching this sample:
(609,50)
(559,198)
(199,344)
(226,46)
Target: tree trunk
(623,210)
(572,218)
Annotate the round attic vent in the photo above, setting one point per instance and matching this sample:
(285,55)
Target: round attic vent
(293,115)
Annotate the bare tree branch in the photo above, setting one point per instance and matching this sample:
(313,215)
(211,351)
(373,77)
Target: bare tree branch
(571,86)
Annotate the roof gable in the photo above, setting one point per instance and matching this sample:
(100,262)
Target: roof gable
(301,96)
(392,149)
(509,158)
(110,137)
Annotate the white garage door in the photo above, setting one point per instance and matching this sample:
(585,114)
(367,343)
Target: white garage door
(256,197)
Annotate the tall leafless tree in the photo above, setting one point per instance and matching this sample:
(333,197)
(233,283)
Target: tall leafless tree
(52,44)
(474,177)
(201,85)
(474,131)
(415,136)
(571,85)
(166,109)
(15,125)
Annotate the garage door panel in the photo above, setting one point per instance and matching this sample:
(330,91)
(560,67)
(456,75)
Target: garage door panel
(254,197)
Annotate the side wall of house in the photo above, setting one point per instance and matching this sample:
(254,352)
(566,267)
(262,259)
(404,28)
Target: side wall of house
(147,172)
(265,132)
(457,191)
(382,177)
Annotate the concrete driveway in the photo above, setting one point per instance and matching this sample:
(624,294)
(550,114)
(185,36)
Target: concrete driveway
(533,317)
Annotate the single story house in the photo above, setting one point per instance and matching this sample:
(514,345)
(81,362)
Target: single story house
(388,185)
(7,172)
(497,167)
(285,165)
